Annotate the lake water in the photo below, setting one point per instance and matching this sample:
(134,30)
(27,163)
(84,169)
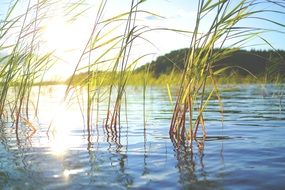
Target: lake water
(245,151)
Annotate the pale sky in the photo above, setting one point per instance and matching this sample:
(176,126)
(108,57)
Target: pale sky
(69,38)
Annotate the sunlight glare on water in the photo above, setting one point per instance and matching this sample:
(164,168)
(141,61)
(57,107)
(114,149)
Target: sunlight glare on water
(61,138)
(61,117)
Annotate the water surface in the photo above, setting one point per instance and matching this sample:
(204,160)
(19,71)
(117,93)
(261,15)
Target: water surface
(245,151)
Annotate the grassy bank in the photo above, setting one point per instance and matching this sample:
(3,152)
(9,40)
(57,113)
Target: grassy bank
(141,78)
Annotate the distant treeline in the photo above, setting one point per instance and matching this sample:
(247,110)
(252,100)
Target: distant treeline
(242,62)
(239,64)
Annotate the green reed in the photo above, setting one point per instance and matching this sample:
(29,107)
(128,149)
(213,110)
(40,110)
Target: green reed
(225,17)
(108,50)
(22,65)
(115,56)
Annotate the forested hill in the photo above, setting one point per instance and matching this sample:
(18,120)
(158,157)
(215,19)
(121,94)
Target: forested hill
(240,61)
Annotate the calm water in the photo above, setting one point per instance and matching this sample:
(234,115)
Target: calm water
(246,151)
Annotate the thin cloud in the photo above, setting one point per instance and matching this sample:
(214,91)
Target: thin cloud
(152,17)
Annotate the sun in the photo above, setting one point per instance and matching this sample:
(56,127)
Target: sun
(66,41)
(55,35)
